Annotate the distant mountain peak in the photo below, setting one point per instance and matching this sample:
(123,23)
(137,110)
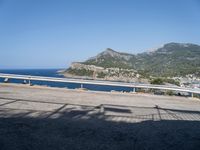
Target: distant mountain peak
(172,47)
(172,44)
(109,49)
(111,54)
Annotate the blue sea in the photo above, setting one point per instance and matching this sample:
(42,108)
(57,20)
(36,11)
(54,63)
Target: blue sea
(54,73)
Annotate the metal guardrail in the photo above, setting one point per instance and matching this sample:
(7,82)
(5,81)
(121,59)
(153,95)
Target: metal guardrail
(96,82)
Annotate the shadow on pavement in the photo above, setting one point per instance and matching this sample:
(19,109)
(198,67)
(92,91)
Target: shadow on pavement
(86,128)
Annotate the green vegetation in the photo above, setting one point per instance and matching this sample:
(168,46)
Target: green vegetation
(157,81)
(169,92)
(109,63)
(144,73)
(197,95)
(80,72)
(101,75)
(164,80)
(172,81)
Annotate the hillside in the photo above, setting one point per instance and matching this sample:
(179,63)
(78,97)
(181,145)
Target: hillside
(171,60)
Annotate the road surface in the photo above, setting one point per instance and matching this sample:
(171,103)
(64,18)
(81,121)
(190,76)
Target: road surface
(54,118)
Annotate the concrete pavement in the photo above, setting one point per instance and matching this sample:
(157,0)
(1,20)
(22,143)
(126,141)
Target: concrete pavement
(38,118)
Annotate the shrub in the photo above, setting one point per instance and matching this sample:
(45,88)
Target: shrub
(169,92)
(101,75)
(157,81)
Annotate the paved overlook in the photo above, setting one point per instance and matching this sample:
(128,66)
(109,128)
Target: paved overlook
(40,118)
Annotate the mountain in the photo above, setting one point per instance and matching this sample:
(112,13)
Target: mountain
(110,58)
(170,60)
(173,59)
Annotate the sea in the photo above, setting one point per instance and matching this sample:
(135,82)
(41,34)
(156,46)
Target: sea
(54,73)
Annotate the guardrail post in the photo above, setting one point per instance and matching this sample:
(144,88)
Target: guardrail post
(192,95)
(24,82)
(134,90)
(29,81)
(6,80)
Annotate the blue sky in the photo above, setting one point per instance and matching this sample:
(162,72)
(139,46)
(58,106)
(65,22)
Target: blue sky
(53,33)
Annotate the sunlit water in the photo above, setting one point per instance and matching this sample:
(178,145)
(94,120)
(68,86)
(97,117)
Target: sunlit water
(54,73)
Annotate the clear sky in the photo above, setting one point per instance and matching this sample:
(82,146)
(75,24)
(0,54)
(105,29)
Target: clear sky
(53,33)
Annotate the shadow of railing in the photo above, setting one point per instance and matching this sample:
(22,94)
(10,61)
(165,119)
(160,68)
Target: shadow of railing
(113,127)
(106,111)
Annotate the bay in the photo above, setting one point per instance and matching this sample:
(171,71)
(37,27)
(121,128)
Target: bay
(54,73)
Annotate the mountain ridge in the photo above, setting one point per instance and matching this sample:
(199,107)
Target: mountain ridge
(170,60)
